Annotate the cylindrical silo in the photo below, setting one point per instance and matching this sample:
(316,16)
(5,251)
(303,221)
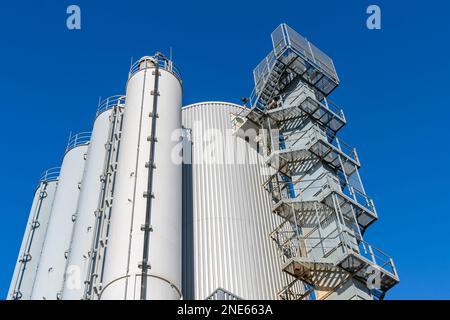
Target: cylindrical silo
(229,219)
(50,273)
(94,180)
(33,239)
(143,252)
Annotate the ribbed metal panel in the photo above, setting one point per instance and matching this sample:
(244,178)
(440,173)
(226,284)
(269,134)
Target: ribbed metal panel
(229,220)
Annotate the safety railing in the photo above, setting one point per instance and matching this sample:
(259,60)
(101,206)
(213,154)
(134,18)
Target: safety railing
(336,244)
(109,103)
(303,92)
(222,294)
(316,190)
(78,139)
(313,54)
(150,62)
(305,138)
(50,174)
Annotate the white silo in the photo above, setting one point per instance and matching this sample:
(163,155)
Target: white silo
(33,239)
(95,176)
(143,253)
(50,274)
(227,225)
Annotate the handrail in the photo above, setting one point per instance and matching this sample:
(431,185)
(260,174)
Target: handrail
(304,90)
(299,187)
(313,133)
(226,294)
(109,103)
(78,139)
(149,62)
(51,174)
(351,243)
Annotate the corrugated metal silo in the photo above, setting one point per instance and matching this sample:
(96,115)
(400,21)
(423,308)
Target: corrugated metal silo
(143,255)
(229,220)
(50,274)
(96,171)
(33,239)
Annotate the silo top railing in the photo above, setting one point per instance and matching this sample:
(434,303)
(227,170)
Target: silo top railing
(109,103)
(149,62)
(51,174)
(78,139)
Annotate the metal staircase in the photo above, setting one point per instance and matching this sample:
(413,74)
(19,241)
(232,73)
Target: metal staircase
(315,185)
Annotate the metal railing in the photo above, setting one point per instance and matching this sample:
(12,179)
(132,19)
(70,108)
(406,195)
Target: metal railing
(304,92)
(51,174)
(78,139)
(110,102)
(222,294)
(315,190)
(150,61)
(335,245)
(305,138)
(313,54)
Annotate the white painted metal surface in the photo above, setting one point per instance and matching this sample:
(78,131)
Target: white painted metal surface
(33,239)
(121,278)
(81,243)
(231,212)
(50,274)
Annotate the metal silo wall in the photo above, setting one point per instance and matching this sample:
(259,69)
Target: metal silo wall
(121,278)
(50,274)
(33,241)
(231,217)
(79,255)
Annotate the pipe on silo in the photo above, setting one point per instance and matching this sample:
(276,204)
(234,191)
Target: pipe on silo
(33,239)
(144,239)
(50,273)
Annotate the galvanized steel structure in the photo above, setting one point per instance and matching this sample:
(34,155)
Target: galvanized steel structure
(315,184)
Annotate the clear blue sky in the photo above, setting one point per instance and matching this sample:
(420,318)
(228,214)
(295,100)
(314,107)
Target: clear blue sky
(394,87)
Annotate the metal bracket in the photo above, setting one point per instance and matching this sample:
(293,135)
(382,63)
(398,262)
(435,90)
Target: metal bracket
(153,93)
(147,165)
(152,195)
(144,265)
(145,227)
(150,138)
(35,224)
(151,115)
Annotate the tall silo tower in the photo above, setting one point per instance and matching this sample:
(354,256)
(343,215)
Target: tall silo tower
(102,155)
(142,259)
(34,237)
(227,218)
(315,184)
(49,280)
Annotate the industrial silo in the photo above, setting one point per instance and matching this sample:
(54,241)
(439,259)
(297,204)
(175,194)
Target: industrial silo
(143,251)
(227,248)
(33,239)
(97,173)
(50,275)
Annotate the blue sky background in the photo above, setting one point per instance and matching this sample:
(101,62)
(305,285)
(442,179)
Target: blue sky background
(394,88)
